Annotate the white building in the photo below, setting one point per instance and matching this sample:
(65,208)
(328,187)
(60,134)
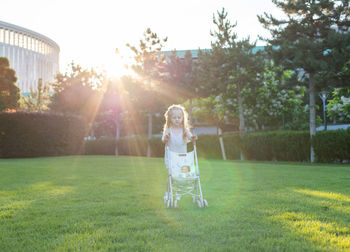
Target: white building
(31,55)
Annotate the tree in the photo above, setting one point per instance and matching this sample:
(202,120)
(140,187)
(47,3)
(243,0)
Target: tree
(9,92)
(183,76)
(150,66)
(38,100)
(231,66)
(78,92)
(313,40)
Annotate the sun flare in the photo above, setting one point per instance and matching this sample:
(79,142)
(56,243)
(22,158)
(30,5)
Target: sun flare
(118,65)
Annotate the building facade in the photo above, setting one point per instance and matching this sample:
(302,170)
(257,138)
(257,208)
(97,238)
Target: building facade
(33,56)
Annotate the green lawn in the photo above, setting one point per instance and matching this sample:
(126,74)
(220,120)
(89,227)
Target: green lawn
(92,203)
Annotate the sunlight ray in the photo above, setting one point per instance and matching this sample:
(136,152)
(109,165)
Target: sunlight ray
(327,195)
(330,235)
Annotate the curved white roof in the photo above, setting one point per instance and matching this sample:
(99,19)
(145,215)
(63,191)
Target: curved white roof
(28,32)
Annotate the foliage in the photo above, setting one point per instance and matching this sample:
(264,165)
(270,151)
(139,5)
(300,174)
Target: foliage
(78,92)
(100,203)
(102,146)
(272,99)
(38,100)
(277,145)
(313,41)
(213,110)
(29,134)
(339,105)
(150,91)
(9,92)
(130,146)
(182,74)
(107,121)
(332,145)
(231,67)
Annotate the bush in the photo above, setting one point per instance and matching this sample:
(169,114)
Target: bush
(232,146)
(208,146)
(332,145)
(133,146)
(30,134)
(277,145)
(291,146)
(104,146)
(130,146)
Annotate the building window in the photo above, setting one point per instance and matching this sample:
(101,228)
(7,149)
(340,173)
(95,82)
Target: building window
(6,34)
(2,39)
(12,38)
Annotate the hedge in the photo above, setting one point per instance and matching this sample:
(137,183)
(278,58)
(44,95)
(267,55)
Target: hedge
(208,147)
(30,134)
(294,146)
(332,145)
(277,145)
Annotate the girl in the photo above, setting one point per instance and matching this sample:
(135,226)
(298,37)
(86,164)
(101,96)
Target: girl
(176,133)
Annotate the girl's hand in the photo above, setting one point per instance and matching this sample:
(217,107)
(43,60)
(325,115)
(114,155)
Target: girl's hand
(194,139)
(166,138)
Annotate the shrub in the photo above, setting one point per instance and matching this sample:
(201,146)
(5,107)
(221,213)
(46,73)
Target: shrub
(130,146)
(276,145)
(103,146)
(332,145)
(30,134)
(294,146)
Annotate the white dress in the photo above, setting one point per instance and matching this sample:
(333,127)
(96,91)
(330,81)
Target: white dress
(176,143)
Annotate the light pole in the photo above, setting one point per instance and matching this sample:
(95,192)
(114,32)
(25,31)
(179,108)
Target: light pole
(323,95)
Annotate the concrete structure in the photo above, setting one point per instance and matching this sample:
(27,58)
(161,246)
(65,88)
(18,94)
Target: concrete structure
(31,55)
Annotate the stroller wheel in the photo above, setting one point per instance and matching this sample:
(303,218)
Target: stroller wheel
(175,203)
(168,203)
(193,199)
(205,203)
(199,204)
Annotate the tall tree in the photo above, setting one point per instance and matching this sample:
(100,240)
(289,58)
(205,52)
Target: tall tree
(231,66)
(9,92)
(149,65)
(313,40)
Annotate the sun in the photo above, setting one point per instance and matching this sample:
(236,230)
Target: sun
(117,65)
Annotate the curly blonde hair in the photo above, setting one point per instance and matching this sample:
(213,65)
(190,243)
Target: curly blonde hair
(168,114)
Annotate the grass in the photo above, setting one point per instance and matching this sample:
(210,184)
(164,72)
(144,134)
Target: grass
(95,203)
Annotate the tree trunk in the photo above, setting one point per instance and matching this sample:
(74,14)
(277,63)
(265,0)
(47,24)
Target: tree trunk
(190,112)
(222,144)
(241,117)
(149,133)
(117,133)
(312,105)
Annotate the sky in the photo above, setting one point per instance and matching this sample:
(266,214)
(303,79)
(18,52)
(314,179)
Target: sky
(89,31)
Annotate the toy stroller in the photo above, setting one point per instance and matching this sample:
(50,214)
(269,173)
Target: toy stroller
(183,178)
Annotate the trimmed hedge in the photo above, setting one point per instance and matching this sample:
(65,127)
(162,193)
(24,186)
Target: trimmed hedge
(332,145)
(31,134)
(208,146)
(132,146)
(277,145)
(293,146)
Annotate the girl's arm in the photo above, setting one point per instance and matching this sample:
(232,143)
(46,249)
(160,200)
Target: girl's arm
(166,136)
(191,136)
